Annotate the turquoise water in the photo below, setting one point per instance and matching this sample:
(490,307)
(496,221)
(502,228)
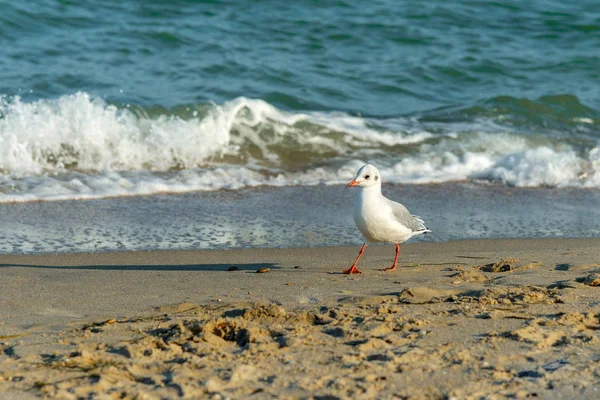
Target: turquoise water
(378,59)
(119,98)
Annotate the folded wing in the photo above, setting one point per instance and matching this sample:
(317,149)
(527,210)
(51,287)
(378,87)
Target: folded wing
(412,222)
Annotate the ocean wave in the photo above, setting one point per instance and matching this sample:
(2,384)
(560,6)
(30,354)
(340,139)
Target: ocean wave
(80,147)
(81,133)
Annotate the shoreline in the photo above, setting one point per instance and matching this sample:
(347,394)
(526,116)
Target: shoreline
(288,217)
(424,247)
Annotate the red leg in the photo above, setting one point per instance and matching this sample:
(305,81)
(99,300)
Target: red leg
(353,269)
(393,267)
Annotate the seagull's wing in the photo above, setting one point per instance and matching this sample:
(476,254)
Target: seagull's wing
(412,222)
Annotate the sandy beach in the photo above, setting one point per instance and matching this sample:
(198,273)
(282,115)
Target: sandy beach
(459,319)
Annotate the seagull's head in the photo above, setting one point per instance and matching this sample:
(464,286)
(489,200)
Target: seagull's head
(368,175)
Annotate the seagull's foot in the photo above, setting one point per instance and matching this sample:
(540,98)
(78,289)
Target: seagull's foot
(392,268)
(351,270)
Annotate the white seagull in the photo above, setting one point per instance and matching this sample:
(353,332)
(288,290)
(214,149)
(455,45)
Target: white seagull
(380,219)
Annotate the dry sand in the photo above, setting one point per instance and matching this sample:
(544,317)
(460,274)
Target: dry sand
(457,320)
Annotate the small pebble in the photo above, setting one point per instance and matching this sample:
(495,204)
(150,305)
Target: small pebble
(233,268)
(263,270)
(297,267)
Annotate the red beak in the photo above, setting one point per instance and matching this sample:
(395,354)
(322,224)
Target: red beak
(353,183)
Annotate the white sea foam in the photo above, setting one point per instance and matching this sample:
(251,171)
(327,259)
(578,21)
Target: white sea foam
(79,147)
(78,132)
(583,120)
(544,166)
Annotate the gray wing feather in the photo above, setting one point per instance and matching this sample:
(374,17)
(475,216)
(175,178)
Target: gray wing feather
(402,215)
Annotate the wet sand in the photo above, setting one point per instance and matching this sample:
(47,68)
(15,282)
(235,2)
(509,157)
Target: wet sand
(463,319)
(289,217)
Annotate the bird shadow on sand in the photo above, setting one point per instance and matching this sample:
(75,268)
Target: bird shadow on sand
(230,268)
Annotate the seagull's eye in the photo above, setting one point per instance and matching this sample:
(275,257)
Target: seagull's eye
(367,176)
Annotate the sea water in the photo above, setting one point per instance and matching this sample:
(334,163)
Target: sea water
(123,99)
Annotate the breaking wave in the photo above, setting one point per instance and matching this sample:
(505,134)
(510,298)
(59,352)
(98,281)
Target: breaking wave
(78,146)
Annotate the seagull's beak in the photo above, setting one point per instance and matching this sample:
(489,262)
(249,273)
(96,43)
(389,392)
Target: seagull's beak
(353,183)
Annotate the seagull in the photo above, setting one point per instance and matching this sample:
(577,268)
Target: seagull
(380,219)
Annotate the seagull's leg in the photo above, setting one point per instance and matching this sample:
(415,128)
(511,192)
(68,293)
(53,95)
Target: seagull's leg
(353,269)
(393,267)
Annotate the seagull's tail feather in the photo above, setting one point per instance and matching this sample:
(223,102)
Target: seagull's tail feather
(421,231)
(422,228)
